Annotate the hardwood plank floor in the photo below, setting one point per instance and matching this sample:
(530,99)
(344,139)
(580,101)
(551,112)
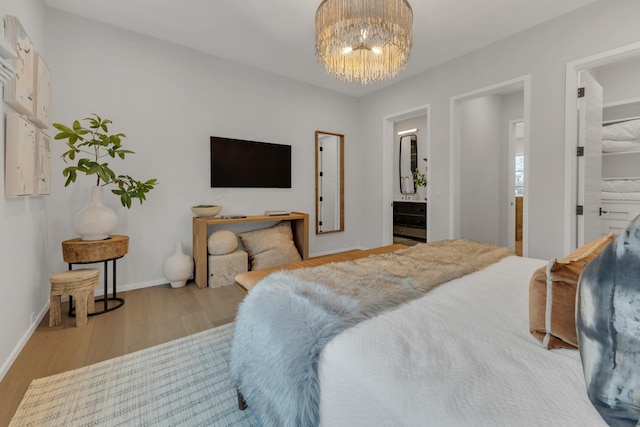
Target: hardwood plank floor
(150,316)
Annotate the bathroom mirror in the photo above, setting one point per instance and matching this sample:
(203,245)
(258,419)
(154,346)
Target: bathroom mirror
(408,163)
(329,182)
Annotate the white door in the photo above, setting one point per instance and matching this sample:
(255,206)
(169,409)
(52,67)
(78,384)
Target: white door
(590,163)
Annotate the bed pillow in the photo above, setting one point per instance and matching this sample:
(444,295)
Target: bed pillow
(552,296)
(608,324)
(222,242)
(271,246)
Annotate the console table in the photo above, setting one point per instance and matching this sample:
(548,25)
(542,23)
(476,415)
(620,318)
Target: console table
(78,251)
(299,227)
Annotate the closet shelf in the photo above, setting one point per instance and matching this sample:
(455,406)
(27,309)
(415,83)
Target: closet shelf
(618,153)
(614,178)
(624,102)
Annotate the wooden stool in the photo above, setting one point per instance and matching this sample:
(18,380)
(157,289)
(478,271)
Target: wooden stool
(80,285)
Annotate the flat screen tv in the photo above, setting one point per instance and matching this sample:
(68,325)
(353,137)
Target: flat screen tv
(250,164)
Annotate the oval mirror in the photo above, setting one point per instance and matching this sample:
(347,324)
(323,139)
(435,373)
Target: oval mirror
(408,163)
(329,182)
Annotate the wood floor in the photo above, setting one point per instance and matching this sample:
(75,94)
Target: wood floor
(149,317)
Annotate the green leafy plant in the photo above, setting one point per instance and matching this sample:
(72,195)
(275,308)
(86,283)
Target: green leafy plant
(95,142)
(419,178)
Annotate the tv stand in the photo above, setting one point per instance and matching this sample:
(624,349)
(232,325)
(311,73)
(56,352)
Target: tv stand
(299,227)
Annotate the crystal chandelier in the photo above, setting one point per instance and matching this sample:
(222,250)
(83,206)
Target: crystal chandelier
(363,40)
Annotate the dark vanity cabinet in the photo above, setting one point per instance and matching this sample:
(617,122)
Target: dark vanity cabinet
(410,219)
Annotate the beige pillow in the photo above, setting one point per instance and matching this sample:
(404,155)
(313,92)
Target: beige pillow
(222,242)
(552,296)
(271,246)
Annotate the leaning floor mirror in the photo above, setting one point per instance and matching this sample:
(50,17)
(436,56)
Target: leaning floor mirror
(329,182)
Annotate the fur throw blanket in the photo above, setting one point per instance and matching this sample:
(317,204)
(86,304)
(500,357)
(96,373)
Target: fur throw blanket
(286,320)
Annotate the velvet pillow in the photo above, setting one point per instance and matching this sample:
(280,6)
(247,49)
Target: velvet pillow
(552,296)
(271,246)
(222,242)
(608,325)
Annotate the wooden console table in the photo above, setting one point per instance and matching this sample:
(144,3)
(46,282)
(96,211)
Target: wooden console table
(78,251)
(299,227)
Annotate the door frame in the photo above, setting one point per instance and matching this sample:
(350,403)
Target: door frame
(571,130)
(455,152)
(388,139)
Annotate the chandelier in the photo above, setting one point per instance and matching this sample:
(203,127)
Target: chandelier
(363,40)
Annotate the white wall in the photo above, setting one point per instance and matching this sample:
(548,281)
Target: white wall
(24,229)
(169,100)
(480,198)
(541,52)
(512,108)
(620,80)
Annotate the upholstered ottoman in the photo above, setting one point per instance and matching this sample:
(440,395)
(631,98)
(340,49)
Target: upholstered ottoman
(224,268)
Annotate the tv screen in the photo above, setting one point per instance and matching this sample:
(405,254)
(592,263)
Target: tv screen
(250,164)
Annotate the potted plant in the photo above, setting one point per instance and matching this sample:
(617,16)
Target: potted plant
(420,178)
(89,148)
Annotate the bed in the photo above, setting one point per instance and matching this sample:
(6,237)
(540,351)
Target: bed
(459,354)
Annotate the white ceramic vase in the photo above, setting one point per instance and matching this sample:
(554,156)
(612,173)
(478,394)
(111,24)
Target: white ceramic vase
(178,268)
(96,220)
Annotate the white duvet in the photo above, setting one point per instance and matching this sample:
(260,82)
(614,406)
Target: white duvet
(622,131)
(621,185)
(609,146)
(460,356)
(616,195)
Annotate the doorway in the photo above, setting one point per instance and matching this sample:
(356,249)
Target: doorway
(574,230)
(483,170)
(420,118)
(516,185)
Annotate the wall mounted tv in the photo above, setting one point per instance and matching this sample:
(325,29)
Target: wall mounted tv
(238,163)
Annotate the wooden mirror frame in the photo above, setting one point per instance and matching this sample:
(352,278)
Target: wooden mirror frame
(339,223)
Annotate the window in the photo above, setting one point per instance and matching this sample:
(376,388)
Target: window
(519,186)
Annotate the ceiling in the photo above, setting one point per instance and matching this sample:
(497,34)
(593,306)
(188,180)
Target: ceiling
(279,36)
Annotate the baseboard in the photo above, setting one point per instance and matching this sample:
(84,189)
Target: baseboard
(27,335)
(131,286)
(23,341)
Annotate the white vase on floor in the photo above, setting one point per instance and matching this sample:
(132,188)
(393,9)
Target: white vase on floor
(178,268)
(96,220)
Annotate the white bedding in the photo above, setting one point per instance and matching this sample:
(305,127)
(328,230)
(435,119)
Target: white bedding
(628,185)
(621,189)
(622,131)
(609,146)
(611,195)
(460,356)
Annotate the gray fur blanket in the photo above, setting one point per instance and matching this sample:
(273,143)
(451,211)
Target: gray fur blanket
(287,318)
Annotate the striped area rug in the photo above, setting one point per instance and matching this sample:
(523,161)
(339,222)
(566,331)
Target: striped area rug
(180,383)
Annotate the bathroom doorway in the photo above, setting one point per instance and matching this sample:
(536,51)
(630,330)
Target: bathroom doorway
(416,118)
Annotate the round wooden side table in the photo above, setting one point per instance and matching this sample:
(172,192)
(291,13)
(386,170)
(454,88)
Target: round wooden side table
(78,251)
